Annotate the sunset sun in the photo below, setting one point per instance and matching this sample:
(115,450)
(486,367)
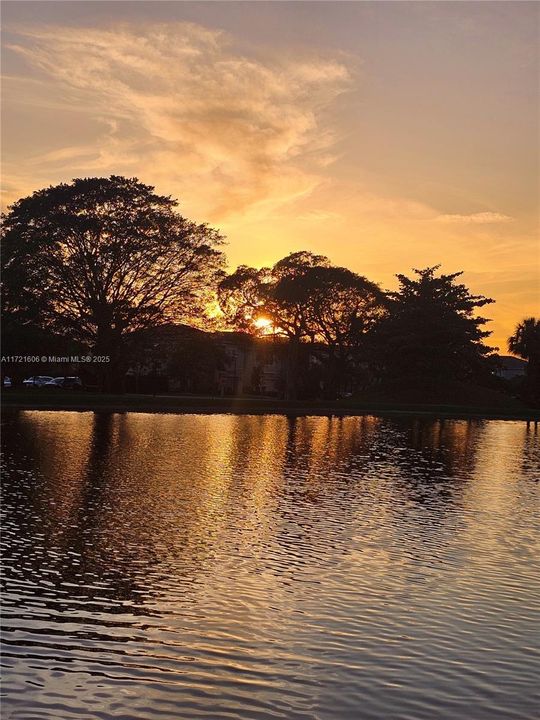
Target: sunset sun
(263,324)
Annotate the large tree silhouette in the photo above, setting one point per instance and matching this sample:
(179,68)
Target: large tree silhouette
(306,299)
(98,258)
(343,308)
(431,329)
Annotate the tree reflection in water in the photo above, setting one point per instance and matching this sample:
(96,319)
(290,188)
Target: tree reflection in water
(320,560)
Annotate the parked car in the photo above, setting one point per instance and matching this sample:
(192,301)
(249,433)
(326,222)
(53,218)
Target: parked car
(37,380)
(70,383)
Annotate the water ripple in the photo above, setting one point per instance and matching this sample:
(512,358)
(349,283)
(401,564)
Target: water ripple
(165,567)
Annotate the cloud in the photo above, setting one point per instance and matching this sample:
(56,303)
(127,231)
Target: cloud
(178,105)
(479,218)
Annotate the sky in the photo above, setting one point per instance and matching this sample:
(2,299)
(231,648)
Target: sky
(386,135)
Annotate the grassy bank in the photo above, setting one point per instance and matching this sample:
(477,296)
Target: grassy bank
(40,399)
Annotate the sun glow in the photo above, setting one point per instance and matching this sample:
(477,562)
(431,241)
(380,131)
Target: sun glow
(263,324)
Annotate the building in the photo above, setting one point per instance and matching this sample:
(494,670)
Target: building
(510,367)
(178,358)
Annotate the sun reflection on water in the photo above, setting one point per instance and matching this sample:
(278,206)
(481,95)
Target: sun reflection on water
(262,564)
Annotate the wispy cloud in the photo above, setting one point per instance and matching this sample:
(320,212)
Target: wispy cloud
(179,105)
(479,218)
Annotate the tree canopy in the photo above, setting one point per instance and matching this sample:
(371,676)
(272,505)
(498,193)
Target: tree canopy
(525,342)
(99,258)
(305,298)
(92,264)
(431,328)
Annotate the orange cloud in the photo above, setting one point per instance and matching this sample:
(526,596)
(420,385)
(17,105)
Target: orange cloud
(479,218)
(249,142)
(181,107)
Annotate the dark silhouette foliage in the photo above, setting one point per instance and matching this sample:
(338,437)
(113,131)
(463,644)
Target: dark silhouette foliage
(100,258)
(525,342)
(431,330)
(106,265)
(307,299)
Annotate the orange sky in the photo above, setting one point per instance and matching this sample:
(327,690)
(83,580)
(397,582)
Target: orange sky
(385,135)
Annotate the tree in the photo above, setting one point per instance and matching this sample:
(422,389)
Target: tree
(525,342)
(185,356)
(306,299)
(343,308)
(242,297)
(277,294)
(100,258)
(430,329)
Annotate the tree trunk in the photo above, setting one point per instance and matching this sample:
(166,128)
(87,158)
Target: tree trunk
(110,373)
(532,383)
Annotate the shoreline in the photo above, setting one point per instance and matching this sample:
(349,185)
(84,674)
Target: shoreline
(251,406)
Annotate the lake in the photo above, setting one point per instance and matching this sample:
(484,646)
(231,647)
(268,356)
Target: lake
(264,567)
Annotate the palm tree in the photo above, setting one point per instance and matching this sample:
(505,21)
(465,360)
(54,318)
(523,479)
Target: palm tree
(525,342)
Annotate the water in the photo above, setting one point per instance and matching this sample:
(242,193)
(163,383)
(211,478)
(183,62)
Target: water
(161,566)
